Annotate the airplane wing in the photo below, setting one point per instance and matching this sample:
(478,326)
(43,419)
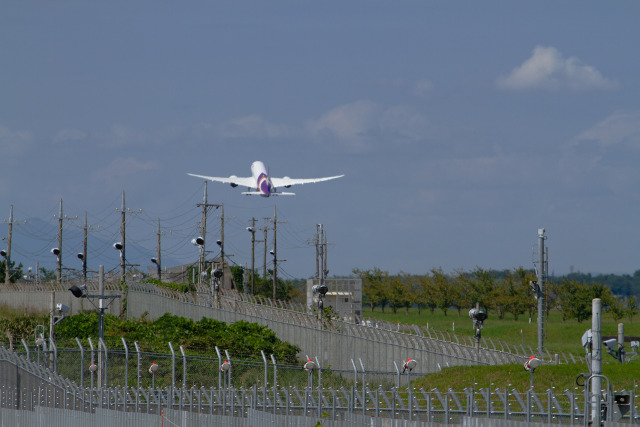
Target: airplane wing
(286,181)
(248,182)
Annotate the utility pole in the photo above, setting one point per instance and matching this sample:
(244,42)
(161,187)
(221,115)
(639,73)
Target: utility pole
(158,259)
(253,254)
(264,260)
(275,253)
(61,218)
(84,249)
(321,253)
(159,254)
(203,225)
(542,275)
(83,255)
(7,256)
(123,259)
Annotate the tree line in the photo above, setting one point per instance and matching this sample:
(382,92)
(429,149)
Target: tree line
(505,293)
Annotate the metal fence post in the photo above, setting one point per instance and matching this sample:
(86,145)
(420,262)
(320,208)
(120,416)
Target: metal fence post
(173,366)
(220,364)
(319,387)
(26,347)
(275,373)
(135,343)
(54,349)
(184,367)
(92,360)
(264,359)
(230,368)
(81,362)
(104,346)
(126,363)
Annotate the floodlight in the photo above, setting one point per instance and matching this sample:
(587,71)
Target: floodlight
(78,291)
(250,229)
(118,246)
(321,289)
(478,315)
(154,260)
(80,256)
(55,251)
(272,252)
(3,253)
(198,241)
(219,242)
(217,273)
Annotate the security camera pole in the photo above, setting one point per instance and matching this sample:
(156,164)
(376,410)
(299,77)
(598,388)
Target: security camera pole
(478,316)
(81,292)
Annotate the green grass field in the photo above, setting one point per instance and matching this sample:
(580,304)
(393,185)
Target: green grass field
(559,336)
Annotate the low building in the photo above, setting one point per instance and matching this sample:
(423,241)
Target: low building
(344,296)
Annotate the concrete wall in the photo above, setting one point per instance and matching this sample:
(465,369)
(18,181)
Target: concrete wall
(38,299)
(334,344)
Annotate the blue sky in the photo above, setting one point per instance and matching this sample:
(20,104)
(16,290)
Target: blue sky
(461,127)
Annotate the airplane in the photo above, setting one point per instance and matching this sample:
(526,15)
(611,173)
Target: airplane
(261,184)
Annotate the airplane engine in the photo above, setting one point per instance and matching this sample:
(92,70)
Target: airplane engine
(233,184)
(286,178)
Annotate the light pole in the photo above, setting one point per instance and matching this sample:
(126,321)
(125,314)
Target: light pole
(478,316)
(531,365)
(152,370)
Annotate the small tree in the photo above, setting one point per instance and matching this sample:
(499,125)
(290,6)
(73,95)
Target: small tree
(632,307)
(442,290)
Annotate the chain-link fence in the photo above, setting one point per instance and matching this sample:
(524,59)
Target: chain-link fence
(27,385)
(127,366)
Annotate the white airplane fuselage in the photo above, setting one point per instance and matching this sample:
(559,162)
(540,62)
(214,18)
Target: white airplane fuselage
(261,184)
(261,178)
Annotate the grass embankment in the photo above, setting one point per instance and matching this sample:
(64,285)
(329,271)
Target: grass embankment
(559,336)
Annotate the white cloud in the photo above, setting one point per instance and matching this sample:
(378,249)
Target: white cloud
(547,69)
(120,168)
(422,88)
(253,126)
(620,127)
(70,135)
(362,124)
(14,142)
(349,123)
